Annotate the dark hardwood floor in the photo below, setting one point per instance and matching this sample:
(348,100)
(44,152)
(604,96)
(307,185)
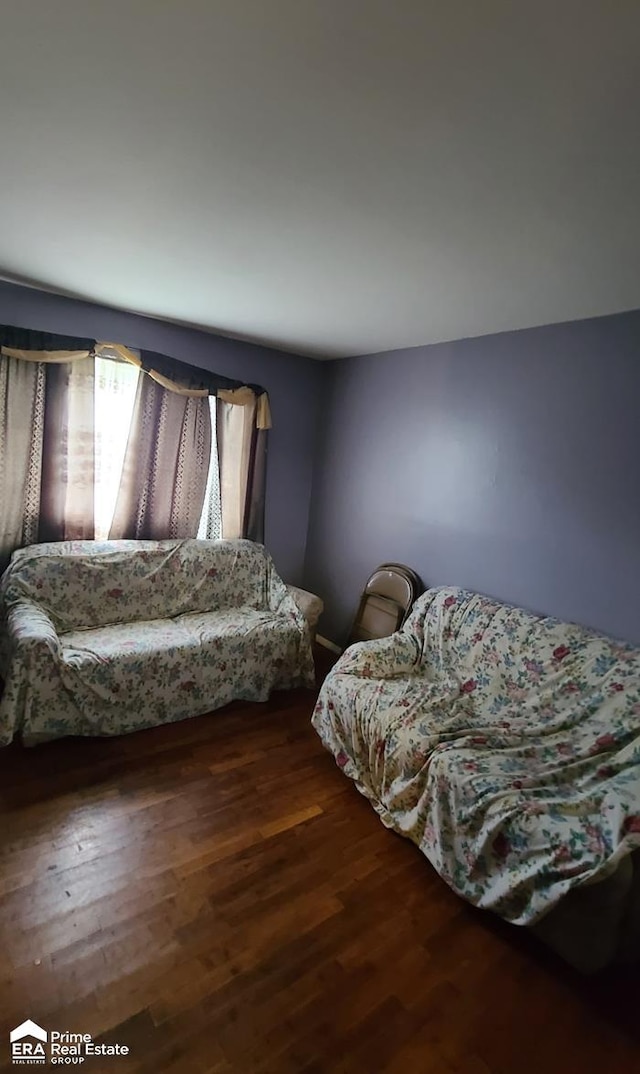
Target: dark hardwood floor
(218,897)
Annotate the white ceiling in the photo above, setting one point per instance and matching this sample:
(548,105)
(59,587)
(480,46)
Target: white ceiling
(330,176)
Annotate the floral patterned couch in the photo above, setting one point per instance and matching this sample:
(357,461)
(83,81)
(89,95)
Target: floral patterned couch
(107,638)
(507,747)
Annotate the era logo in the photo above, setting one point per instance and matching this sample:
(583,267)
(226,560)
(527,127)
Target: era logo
(29,1050)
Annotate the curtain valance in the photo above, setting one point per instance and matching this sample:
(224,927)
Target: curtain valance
(175,376)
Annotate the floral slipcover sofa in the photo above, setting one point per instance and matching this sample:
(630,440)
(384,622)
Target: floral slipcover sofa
(107,638)
(507,747)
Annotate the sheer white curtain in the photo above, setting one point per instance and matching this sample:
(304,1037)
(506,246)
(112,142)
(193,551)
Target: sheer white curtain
(242,460)
(115,392)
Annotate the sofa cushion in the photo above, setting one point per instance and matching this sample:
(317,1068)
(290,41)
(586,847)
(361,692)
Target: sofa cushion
(155,665)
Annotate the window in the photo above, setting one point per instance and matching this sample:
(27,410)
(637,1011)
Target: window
(210,527)
(114,397)
(115,389)
(99,445)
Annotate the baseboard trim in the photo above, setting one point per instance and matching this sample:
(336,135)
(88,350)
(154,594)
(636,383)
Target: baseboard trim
(326,644)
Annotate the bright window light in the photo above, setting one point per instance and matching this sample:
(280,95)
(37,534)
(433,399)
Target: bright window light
(210,527)
(115,393)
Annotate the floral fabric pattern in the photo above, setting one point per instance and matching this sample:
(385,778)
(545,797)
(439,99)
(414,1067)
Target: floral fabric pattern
(103,638)
(505,745)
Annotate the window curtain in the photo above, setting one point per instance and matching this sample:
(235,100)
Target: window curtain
(115,392)
(242,461)
(166,464)
(22,394)
(168,475)
(46,452)
(210,528)
(68,457)
(48,469)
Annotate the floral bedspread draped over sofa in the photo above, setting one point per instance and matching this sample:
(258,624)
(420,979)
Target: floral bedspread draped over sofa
(505,745)
(107,639)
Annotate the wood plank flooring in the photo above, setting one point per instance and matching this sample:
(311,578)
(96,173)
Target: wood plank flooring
(218,897)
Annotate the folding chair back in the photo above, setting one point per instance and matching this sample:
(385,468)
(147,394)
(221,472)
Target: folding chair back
(386,601)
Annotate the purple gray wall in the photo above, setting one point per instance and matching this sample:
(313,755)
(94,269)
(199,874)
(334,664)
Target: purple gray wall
(293,384)
(508,464)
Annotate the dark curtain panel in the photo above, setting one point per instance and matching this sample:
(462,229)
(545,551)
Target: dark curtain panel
(165,468)
(67,492)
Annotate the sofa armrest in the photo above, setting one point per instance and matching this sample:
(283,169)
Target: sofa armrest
(398,654)
(27,624)
(29,650)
